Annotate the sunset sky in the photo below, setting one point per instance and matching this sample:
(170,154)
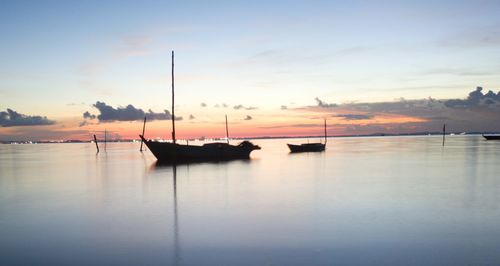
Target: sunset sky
(274,67)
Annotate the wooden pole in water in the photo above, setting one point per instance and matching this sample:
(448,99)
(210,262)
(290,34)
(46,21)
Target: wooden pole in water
(325,131)
(105,140)
(227,131)
(173,112)
(444,133)
(96,145)
(143,128)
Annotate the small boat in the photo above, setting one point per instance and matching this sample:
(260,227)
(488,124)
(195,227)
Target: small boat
(491,137)
(172,152)
(308,147)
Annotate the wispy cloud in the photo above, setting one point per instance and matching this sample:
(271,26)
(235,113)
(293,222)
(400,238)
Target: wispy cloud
(477,37)
(126,47)
(324,104)
(354,116)
(240,106)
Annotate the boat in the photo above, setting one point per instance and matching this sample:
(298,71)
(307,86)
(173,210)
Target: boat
(491,137)
(172,152)
(308,147)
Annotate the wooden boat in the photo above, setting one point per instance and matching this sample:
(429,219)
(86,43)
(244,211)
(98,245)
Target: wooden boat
(308,147)
(491,137)
(167,152)
(172,152)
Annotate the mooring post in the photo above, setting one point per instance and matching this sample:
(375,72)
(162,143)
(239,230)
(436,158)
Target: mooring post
(143,128)
(444,133)
(96,145)
(105,140)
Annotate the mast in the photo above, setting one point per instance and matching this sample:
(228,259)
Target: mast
(227,131)
(173,112)
(325,131)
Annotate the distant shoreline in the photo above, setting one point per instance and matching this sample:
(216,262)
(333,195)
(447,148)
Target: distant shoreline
(256,138)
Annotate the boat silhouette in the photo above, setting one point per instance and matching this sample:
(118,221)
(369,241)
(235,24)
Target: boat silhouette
(491,137)
(308,147)
(172,152)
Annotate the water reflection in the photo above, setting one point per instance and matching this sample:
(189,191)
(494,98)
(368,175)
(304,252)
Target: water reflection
(177,257)
(383,198)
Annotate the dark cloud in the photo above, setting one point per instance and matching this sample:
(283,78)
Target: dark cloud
(88,115)
(203,105)
(12,118)
(475,98)
(284,107)
(355,116)
(324,104)
(191,117)
(248,118)
(240,106)
(128,113)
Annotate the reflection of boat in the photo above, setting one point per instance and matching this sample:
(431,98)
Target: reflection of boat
(491,137)
(172,152)
(308,147)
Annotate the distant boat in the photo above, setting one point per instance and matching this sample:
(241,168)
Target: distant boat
(491,137)
(166,152)
(308,147)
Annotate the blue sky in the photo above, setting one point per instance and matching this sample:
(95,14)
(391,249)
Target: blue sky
(60,57)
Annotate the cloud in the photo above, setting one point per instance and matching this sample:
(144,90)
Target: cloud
(123,48)
(216,105)
(191,117)
(354,116)
(75,104)
(224,105)
(240,106)
(475,98)
(83,123)
(284,107)
(324,104)
(203,105)
(477,113)
(248,118)
(478,37)
(88,115)
(12,118)
(128,113)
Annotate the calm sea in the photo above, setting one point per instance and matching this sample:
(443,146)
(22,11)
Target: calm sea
(376,200)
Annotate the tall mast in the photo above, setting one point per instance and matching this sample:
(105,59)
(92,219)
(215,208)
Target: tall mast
(173,112)
(325,131)
(227,132)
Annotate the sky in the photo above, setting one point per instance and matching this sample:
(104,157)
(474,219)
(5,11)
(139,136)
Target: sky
(71,69)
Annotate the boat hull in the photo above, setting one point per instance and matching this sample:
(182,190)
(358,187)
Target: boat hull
(492,137)
(309,147)
(172,153)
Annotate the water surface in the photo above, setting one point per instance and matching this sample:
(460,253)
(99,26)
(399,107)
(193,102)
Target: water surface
(378,200)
